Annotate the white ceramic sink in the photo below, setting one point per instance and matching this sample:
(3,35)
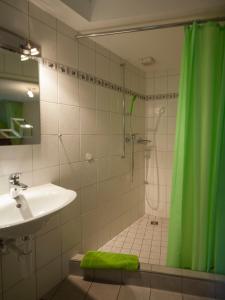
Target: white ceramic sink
(37,205)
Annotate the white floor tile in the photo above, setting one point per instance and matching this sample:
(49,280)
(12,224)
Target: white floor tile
(147,241)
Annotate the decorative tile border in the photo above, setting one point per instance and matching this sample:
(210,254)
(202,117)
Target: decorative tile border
(102,82)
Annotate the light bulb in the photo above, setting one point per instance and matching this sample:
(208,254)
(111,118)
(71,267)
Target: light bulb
(34,51)
(30,94)
(24,57)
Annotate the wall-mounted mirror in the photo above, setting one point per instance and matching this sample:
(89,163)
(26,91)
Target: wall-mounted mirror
(19,100)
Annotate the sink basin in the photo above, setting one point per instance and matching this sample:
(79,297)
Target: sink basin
(32,209)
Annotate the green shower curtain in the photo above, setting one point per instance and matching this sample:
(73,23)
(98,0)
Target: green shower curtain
(197,214)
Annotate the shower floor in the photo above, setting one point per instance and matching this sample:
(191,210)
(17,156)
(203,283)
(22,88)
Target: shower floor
(147,241)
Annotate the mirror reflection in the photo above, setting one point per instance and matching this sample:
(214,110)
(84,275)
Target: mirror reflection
(19,100)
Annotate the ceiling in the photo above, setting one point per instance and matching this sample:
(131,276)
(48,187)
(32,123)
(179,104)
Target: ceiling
(163,44)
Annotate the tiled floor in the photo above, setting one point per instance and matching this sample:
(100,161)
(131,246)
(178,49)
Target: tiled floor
(142,238)
(75,288)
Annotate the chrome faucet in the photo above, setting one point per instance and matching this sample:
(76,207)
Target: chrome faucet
(15,186)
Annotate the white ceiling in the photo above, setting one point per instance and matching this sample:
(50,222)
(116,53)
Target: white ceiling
(164,44)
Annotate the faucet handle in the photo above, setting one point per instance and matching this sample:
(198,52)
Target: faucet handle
(14,177)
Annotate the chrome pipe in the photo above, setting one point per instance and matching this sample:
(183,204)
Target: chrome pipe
(124,112)
(149,27)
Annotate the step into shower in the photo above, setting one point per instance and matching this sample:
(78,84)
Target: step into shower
(157,277)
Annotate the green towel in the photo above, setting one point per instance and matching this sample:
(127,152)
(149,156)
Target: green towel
(108,260)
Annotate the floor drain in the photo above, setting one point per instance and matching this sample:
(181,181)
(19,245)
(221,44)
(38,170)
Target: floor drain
(154,223)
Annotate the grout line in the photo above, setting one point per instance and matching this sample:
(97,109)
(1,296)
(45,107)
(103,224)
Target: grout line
(87,292)
(118,293)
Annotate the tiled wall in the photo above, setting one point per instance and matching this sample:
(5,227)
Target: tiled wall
(159,156)
(76,118)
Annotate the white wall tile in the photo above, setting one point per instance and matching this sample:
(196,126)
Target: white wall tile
(66,50)
(15,159)
(42,176)
(87,94)
(48,84)
(88,198)
(25,289)
(160,85)
(150,86)
(116,73)
(69,119)
(89,223)
(116,123)
(48,277)
(48,247)
(88,145)
(116,102)
(102,66)
(101,50)
(21,5)
(52,223)
(104,168)
(19,23)
(69,148)
(103,98)
(173,83)
(88,121)
(71,211)
(70,176)
(172,108)
(65,29)
(71,234)
(171,142)
(11,262)
(161,142)
(39,14)
(46,154)
(49,121)
(102,145)
(67,89)
(86,59)
(162,125)
(44,36)
(89,173)
(171,125)
(116,144)
(103,122)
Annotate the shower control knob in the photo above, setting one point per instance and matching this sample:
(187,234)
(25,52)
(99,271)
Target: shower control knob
(89,157)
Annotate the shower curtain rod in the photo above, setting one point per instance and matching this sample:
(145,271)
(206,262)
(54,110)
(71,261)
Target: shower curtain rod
(148,27)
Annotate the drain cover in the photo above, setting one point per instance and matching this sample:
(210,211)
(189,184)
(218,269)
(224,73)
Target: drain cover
(154,223)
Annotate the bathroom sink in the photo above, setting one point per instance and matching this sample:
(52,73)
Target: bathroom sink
(32,209)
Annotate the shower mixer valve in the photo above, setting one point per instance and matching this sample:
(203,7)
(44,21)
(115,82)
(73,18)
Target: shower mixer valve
(143,141)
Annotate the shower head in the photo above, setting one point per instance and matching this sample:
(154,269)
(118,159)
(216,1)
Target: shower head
(160,110)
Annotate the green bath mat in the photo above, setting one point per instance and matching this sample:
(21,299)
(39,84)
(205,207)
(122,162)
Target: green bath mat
(108,260)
